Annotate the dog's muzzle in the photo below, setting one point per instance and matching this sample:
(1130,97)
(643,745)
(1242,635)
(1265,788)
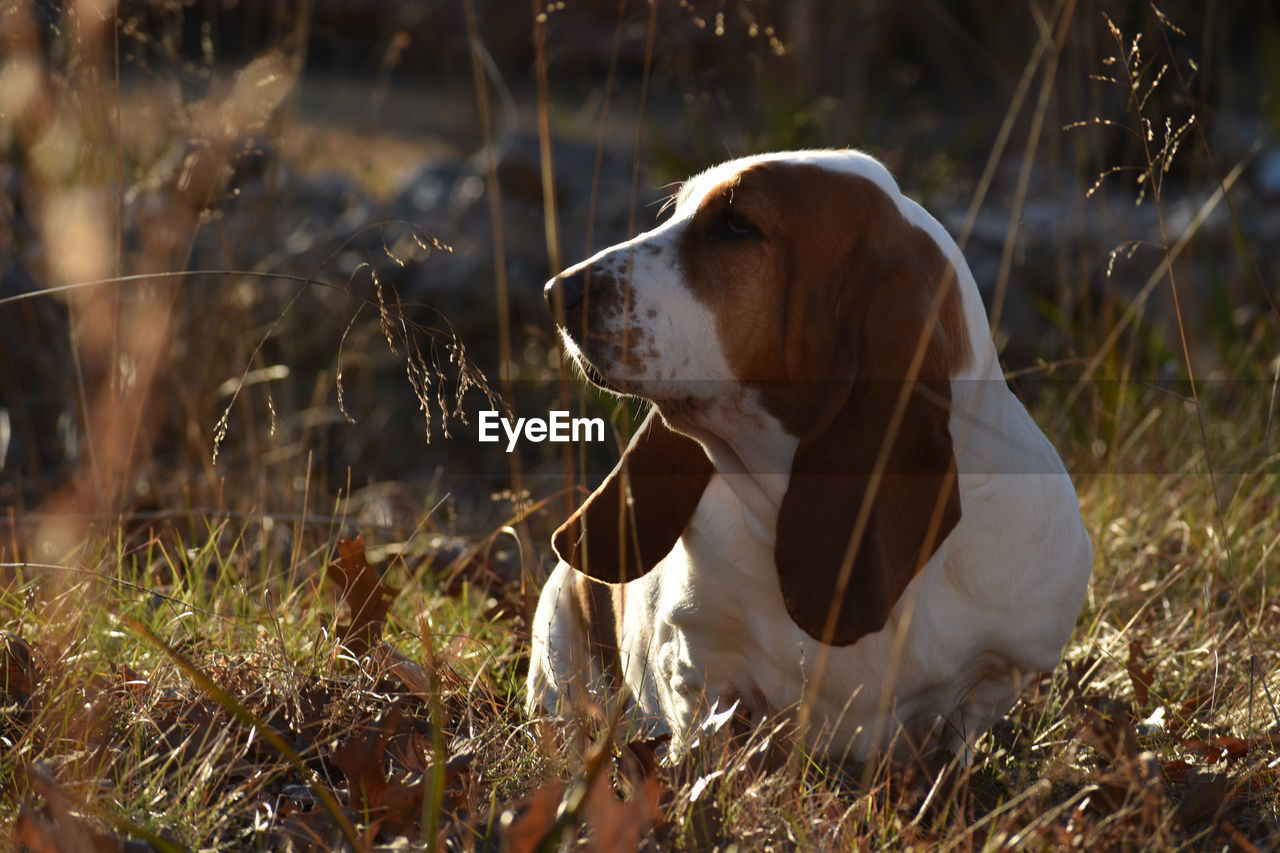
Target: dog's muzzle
(565,293)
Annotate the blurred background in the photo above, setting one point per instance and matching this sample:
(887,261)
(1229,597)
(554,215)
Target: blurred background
(265,257)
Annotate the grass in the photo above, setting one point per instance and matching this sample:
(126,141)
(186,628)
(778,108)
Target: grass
(205,663)
(146,712)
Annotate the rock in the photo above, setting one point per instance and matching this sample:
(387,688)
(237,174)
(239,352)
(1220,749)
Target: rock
(448,197)
(1267,173)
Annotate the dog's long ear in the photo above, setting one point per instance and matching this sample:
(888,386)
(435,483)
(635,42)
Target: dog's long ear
(873,490)
(886,526)
(634,518)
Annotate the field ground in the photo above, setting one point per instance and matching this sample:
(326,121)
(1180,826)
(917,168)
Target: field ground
(245,606)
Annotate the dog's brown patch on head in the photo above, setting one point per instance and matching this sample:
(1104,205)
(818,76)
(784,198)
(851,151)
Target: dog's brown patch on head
(848,321)
(832,271)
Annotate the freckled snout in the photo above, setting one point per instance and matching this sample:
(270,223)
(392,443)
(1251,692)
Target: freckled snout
(565,291)
(604,322)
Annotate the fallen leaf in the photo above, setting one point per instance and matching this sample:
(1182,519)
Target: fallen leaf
(640,756)
(55,828)
(316,831)
(1109,729)
(616,824)
(365,594)
(18,667)
(1140,678)
(394,805)
(1194,703)
(1234,747)
(1081,674)
(400,807)
(402,667)
(1202,797)
(525,827)
(1224,747)
(40,833)
(1177,771)
(362,758)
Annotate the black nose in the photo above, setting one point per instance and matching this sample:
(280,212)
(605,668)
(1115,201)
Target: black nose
(565,291)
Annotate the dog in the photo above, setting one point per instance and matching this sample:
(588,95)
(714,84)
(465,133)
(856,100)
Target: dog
(836,508)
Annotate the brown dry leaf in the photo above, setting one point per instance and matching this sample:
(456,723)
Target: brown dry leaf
(401,807)
(316,831)
(414,753)
(525,828)
(1080,675)
(1202,797)
(57,829)
(402,667)
(362,758)
(1194,703)
(1139,677)
(616,825)
(365,593)
(1108,728)
(1224,747)
(17,670)
(1177,771)
(394,805)
(1234,747)
(42,834)
(640,757)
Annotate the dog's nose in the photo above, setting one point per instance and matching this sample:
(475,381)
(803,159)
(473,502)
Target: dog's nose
(571,286)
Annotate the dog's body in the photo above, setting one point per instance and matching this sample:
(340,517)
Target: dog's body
(838,504)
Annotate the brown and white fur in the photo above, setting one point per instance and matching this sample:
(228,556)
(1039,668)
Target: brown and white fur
(836,503)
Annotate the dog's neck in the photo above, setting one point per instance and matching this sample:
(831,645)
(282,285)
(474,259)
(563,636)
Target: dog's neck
(752,452)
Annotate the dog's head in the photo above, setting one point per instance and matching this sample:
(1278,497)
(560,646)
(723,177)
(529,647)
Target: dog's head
(806,286)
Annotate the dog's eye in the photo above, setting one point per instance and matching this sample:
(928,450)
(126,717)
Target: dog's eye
(732,225)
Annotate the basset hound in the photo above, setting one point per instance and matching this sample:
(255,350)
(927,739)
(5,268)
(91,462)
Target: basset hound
(836,508)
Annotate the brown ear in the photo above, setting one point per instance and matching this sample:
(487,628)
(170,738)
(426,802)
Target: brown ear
(636,515)
(873,492)
(839,518)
